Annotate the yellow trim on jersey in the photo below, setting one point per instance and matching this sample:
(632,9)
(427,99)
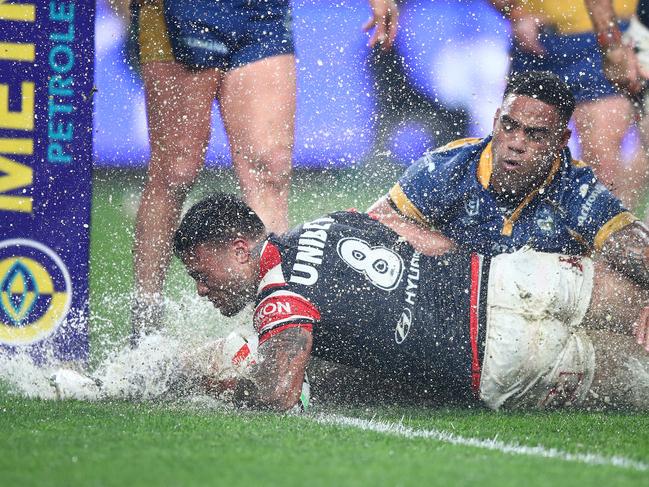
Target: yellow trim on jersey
(618,222)
(578,237)
(484,171)
(508,225)
(405,206)
(578,163)
(153,38)
(458,143)
(485,166)
(571,17)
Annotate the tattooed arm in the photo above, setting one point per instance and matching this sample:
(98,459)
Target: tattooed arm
(276,382)
(627,251)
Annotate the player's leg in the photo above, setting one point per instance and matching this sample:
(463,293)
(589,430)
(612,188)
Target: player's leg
(621,379)
(179,104)
(638,173)
(601,125)
(257,104)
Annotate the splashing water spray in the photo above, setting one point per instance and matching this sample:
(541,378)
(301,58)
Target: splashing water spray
(198,351)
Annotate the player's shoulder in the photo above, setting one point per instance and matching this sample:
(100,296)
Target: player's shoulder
(454,156)
(581,185)
(576,172)
(271,273)
(457,145)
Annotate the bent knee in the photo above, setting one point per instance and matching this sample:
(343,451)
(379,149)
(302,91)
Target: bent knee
(174,173)
(272,168)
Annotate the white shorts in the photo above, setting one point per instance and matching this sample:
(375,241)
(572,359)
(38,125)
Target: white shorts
(535,355)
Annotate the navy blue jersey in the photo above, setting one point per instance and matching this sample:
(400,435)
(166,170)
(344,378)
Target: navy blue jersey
(643,12)
(373,302)
(448,189)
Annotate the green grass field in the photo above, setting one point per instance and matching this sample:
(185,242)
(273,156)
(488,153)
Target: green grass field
(117,443)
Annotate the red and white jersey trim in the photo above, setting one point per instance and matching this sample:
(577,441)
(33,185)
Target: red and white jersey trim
(283,307)
(270,268)
(474,320)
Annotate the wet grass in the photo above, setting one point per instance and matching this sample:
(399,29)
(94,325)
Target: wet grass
(116,444)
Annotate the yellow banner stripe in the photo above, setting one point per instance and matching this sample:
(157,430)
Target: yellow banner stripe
(21,12)
(11,51)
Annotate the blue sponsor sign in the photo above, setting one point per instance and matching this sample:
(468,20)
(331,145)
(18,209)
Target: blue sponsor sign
(46,88)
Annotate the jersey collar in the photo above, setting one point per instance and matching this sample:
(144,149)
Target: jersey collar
(484,171)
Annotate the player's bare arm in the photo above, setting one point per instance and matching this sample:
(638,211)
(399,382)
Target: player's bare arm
(276,382)
(384,21)
(627,252)
(423,239)
(525,26)
(621,64)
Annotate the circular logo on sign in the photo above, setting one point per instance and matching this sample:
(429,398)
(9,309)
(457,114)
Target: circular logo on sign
(35,291)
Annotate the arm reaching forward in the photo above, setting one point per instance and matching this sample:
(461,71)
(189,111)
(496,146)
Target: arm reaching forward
(276,381)
(424,240)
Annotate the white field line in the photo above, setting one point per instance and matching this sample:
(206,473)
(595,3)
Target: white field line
(396,429)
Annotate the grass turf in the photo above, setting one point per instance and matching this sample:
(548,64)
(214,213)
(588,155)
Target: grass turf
(116,443)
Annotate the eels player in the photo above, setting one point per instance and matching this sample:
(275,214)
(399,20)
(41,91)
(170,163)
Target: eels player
(557,36)
(516,188)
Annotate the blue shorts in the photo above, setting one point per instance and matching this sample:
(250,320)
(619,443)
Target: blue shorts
(574,57)
(222,34)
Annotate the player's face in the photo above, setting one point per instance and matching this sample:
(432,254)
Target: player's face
(224,274)
(528,136)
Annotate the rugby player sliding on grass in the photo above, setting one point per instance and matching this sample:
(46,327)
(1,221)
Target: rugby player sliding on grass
(514,330)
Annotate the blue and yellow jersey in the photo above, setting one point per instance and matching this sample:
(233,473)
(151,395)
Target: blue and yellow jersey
(448,189)
(572,17)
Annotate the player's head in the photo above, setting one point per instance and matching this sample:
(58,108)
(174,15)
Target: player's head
(530,131)
(214,241)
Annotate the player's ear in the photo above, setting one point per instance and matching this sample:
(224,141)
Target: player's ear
(241,250)
(565,137)
(496,117)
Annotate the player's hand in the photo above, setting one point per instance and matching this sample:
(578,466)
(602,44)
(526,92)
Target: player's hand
(623,70)
(526,30)
(384,21)
(641,328)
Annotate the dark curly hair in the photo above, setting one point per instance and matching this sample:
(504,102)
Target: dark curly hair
(218,218)
(544,86)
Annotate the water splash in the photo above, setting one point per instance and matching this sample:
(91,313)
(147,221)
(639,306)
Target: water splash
(149,371)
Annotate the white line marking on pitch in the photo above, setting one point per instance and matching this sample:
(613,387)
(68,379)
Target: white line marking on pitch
(397,429)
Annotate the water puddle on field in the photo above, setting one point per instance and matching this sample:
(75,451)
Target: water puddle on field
(162,365)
